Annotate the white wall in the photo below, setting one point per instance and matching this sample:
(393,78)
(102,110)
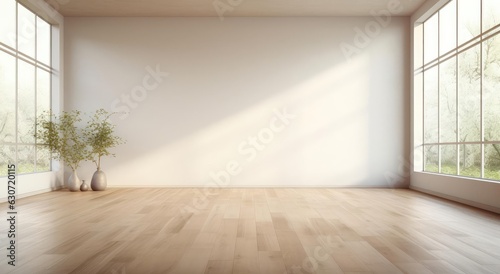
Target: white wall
(30,184)
(225,81)
(479,193)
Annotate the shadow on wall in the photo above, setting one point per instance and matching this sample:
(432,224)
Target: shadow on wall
(390,110)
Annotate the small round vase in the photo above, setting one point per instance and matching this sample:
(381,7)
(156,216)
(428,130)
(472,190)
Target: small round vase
(98,182)
(74,182)
(84,186)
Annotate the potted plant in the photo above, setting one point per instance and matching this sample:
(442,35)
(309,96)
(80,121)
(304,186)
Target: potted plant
(100,137)
(64,140)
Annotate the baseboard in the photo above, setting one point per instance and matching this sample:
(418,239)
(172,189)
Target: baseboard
(457,199)
(249,186)
(32,193)
(28,194)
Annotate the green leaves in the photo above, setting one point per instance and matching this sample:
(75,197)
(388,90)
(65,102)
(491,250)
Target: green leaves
(100,136)
(62,136)
(72,143)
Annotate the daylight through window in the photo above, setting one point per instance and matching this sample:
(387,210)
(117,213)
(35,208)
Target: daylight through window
(457,90)
(25,86)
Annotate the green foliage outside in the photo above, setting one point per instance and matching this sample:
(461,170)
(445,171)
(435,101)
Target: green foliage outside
(462,104)
(472,171)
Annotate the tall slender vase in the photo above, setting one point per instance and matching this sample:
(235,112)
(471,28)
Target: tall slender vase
(99,182)
(74,182)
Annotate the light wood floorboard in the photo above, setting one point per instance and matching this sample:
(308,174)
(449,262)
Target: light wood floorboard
(258,231)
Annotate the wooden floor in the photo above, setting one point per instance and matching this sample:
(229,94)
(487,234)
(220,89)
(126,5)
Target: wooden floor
(191,231)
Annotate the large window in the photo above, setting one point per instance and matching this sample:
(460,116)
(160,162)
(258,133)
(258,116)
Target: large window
(25,86)
(457,90)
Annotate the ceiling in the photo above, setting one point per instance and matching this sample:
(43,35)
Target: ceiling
(230,7)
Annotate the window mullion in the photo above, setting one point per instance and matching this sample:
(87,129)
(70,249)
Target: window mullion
(423,98)
(457,132)
(481,123)
(36,89)
(16,86)
(439,91)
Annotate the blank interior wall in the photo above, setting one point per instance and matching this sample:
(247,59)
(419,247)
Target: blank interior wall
(246,101)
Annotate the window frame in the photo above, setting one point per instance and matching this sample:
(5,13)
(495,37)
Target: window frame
(419,89)
(37,65)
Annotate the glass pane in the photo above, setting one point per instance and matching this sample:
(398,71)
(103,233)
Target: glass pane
(449,159)
(431,39)
(26,159)
(469,15)
(491,14)
(42,159)
(491,88)
(26,102)
(470,160)
(431,105)
(42,41)
(431,158)
(26,30)
(8,98)
(448,101)
(448,27)
(418,108)
(492,161)
(42,91)
(469,95)
(8,22)
(418,44)
(7,156)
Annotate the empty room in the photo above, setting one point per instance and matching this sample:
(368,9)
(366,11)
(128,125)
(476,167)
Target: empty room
(250,136)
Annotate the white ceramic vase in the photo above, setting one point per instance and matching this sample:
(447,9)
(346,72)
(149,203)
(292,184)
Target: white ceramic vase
(74,182)
(99,182)
(84,186)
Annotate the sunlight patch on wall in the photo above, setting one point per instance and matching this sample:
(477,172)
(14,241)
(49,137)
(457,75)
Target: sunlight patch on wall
(319,125)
